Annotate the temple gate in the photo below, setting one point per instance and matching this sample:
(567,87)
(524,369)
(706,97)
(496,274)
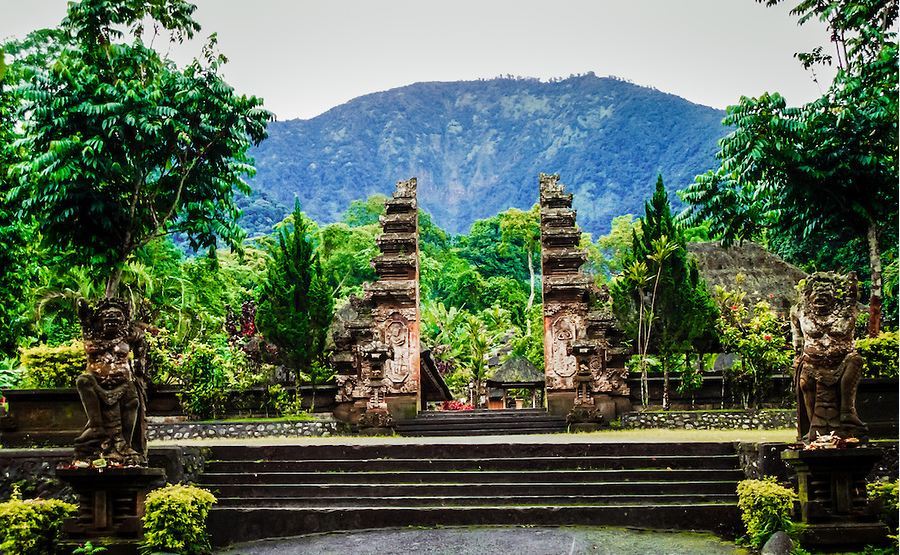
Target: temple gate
(384,321)
(584,362)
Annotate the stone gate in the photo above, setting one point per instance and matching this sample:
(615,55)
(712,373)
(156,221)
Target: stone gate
(376,336)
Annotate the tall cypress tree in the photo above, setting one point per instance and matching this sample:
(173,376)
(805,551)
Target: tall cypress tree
(296,305)
(671,293)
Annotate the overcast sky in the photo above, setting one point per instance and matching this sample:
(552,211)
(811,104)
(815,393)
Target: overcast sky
(306,56)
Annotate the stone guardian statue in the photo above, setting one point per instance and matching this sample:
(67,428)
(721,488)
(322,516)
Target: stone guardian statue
(827,367)
(112,388)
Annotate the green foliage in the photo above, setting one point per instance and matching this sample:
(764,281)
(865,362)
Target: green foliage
(778,163)
(660,297)
(607,257)
(364,212)
(48,367)
(346,253)
(880,359)
(32,526)
(204,375)
(10,373)
(118,145)
(175,520)
(766,508)
(886,493)
(89,549)
(296,304)
(758,337)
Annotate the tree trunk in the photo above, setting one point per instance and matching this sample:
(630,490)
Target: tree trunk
(665,396)
(875,296)
(531,281)
(112,283)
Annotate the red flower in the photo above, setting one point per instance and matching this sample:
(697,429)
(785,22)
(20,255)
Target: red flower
(734,307)
(767,337)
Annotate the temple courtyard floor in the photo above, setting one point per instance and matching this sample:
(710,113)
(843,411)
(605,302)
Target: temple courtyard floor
(606,436)
(500,539)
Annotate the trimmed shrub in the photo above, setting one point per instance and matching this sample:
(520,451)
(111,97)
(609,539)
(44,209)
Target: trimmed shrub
(175,520)
(47,367)
(886,496)
(766,508)
(32,527)
(879,355)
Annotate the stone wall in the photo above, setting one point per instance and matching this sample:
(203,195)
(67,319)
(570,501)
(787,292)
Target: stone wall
(239,430)
(759,460)
(705,420)
(33,471)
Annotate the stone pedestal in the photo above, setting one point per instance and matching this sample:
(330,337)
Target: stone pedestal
(834,507)
(110,506)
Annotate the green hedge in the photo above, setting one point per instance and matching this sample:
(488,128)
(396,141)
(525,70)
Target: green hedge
(175,520)
(766,508)
(879,355)
(47,367)
(32,527)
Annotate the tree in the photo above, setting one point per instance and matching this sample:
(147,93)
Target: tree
(296,305)
(827,168)
(118,145)
(660,295)
(523,229)
(606,256)
(758,337)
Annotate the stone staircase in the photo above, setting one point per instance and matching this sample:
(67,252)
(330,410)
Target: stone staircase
(481,422)
(287,490)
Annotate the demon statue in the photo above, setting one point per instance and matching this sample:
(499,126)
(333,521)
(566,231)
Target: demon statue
(112,388)
(826,366)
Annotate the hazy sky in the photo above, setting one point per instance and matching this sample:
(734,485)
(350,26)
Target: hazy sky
(306,56)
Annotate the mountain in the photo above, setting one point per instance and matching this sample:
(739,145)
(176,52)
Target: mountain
(477,147)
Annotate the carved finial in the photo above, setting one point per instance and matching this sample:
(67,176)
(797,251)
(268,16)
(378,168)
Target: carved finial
(550,185)
(406,189)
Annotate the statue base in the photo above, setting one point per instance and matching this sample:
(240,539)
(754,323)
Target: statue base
(376,422)
(834,507)
(110,506)
(584,418)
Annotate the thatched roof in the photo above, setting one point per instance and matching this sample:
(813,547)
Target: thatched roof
(763,275)
(516,369)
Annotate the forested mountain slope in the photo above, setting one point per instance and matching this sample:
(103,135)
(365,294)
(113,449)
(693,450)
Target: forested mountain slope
(477,147)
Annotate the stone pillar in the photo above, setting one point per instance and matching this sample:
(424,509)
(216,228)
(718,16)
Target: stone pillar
(377,418)
(387,313)
(575,310)
(834,507)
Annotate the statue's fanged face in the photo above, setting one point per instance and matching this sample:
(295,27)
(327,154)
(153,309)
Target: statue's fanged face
(112,320)
(821,300)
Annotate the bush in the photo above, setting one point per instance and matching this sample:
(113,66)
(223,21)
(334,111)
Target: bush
(175,520)
(204,373)
(879,355)
(766,508)
(887,496)
(48,367)
(32,527)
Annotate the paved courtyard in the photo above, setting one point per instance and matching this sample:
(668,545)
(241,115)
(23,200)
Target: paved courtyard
(489,540)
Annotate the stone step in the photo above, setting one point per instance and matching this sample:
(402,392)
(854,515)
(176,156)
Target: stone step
(469,501)
(501,463)
(478,489)
(329,476)
(463,432)
(479,413)
(231,524)
(502,428)
(440,449)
